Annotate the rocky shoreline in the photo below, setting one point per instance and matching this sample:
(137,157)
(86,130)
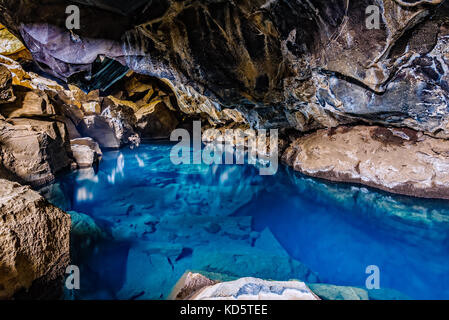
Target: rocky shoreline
(201,286)
(396,160)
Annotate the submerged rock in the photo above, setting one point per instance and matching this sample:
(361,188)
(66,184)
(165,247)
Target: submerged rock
(396,160)
(386,294)
(194,286)
(208,286)
(84,231)
(331,292)
(34,240)
(143,279)
(234,260)
(175,243)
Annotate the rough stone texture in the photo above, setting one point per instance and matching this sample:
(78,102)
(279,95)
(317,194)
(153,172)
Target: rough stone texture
(9,44)
(28,103)
(122,119)
(401,215)
(200,286)
(92,107)
(6,92)
(109,121)
(101,130)
(396,160)
(34,239)
(155,120)
(34,150)
(242,289)
(12,47)
(189,284)
(86,152)
(301,64)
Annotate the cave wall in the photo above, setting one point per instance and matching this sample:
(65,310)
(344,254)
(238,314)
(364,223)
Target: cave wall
(303,64)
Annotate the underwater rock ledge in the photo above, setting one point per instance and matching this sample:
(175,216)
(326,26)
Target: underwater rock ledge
(209,286)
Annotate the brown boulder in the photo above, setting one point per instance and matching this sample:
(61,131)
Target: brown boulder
(392,159)
(34,150)
(34,239)
(27,104)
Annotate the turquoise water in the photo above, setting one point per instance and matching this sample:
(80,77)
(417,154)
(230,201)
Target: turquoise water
(140,222)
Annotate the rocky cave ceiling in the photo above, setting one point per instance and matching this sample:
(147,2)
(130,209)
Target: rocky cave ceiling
(301,64)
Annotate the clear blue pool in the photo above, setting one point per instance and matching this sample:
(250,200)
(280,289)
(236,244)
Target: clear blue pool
(155,220)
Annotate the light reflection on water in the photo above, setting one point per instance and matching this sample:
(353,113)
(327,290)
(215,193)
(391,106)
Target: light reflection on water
(229,219)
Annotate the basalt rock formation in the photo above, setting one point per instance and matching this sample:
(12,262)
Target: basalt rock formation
(34,150)
(34,241)
(298,64)
(355,103)
(395,160)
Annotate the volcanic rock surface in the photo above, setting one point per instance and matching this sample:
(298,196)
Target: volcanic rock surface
(297,64)
(34,239)
(395,160)
(34,150)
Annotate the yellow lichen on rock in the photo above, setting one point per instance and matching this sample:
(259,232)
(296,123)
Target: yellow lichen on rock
(9,44)
(30,80)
